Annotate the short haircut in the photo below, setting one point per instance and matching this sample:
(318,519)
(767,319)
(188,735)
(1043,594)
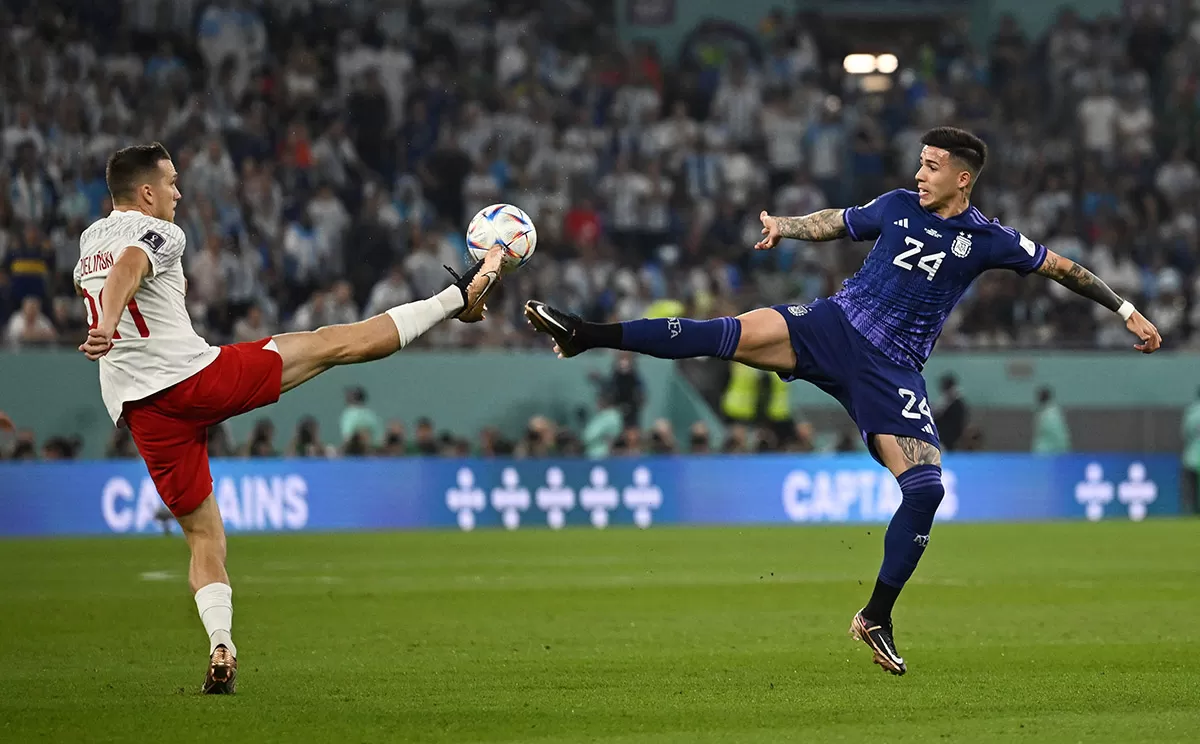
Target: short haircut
(132,166)
(961,145)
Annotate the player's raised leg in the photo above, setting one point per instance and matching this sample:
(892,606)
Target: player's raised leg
(758,338)
(917,466)
(309,353)
(205,534)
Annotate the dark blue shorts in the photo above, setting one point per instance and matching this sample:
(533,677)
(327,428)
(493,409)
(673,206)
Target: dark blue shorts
(880,395)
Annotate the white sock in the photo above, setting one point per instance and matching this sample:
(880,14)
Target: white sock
(414,318)
(215,604)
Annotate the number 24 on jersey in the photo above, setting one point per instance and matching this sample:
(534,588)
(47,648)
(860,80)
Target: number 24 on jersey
(929,263)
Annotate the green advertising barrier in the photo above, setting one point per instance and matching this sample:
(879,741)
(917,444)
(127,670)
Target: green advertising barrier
(58,393)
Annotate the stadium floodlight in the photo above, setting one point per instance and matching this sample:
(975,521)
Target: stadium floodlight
(859,64)
(886,63)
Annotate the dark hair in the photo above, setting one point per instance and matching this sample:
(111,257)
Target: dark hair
(130,165)
(961,144)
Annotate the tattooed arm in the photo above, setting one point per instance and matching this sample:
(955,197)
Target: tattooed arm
(827,224)
(1079,280)
(1086,284)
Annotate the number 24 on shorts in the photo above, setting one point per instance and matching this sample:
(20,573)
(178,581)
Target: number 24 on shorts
(911,399)
(93,311)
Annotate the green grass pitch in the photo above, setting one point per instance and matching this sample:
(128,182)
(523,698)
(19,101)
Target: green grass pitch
(1027,633)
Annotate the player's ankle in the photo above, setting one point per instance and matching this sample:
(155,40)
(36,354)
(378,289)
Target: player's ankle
(597,336)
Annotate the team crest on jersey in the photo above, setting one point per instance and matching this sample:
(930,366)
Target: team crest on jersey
(798,310)
(153,241)
(962,245)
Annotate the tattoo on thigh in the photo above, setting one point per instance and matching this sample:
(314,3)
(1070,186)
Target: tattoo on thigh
(918,452)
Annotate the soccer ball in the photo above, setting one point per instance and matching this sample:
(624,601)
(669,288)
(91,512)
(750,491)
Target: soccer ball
(504,224)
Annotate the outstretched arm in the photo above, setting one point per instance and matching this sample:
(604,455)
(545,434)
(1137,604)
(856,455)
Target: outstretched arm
(1086,284)
(826,224)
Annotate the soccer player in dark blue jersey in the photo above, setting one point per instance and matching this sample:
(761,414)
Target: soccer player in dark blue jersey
(866,345)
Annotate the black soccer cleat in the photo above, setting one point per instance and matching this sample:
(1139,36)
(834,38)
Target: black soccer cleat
(560,326)
(878,636)
(221,678)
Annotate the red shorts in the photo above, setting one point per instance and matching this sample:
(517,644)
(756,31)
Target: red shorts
(170,428)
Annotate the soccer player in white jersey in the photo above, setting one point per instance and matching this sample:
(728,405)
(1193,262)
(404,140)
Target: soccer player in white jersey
(169,385)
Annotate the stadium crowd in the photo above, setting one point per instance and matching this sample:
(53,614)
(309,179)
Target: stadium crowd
(332,152)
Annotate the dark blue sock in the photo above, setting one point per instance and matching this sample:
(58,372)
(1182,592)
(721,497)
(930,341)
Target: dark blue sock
(907,535)
(669,338)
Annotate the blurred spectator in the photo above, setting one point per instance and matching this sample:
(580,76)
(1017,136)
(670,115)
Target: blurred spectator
(625,388)
(30,327)
(603,428)
(120,445)
(1190,492)
(316,313)
(737,440)
(739,403)
(252,327)
(766,440)
(307,441)
(394,442)
(803,438)
(356,445)
(29,264)
(24,446)
(390,291)
(69,320)
(1050,433)
(540,440)
(951,416)
(662,438)
(630,443)
(61,448)
(699,439)
(341,303)
(220,443)
(424,440)
(357,418)
(262,440)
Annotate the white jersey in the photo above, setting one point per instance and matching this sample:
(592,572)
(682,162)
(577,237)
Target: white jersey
(155,345)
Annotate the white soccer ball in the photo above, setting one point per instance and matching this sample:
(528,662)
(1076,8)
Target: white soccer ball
(504,224)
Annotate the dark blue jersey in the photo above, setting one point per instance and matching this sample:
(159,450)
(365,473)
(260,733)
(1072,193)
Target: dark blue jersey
(919,269)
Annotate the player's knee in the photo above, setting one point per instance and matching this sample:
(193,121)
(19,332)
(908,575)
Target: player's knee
(921,488)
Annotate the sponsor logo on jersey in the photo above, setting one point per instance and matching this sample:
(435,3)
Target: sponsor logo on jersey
(797,310)
(933,232)
(153,241)
(962,245)
(901,223)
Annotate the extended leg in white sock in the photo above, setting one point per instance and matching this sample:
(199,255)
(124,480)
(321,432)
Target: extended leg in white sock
(415,318)
(214,602)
